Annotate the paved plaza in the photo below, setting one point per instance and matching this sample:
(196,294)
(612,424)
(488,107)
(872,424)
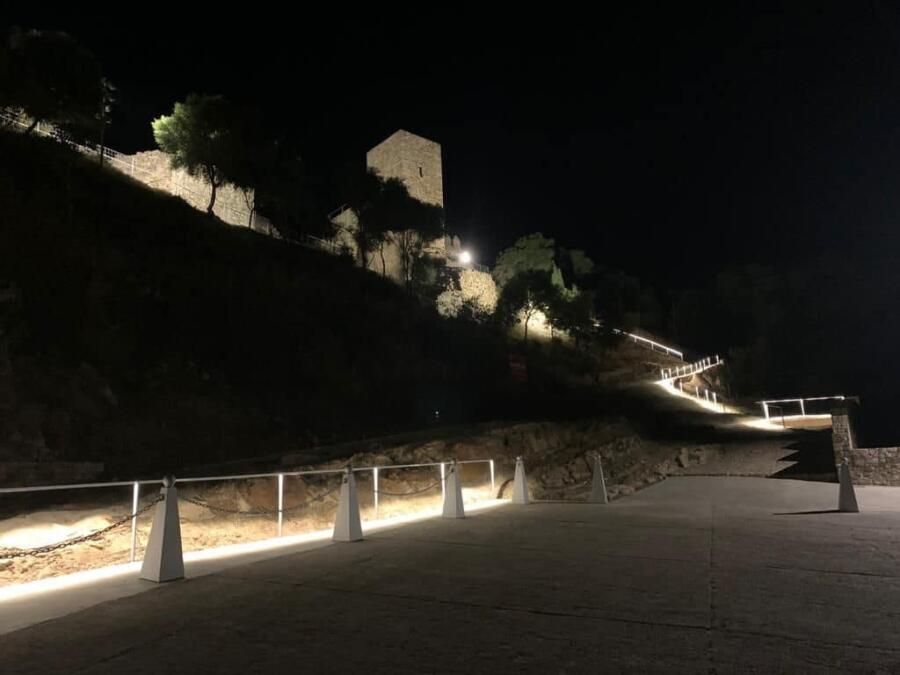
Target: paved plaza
(692,575)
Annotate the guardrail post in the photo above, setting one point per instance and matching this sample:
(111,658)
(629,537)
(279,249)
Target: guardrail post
(135,496)
(803,408)
(443,481)
(493,486)
(598,483)
(765,410)
(163,559)
(847,496)
(375,489)
(280,502)
(347,525)
(453,499)
(520,483)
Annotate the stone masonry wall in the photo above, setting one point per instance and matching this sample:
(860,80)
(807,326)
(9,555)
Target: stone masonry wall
(152,168)
(868,466)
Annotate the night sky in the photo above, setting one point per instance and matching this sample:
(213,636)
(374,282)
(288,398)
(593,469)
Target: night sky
(740,134)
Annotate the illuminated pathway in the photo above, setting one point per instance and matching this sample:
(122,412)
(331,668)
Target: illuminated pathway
(691,575)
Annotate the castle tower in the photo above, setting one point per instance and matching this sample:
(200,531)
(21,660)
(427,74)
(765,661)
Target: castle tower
(414,160)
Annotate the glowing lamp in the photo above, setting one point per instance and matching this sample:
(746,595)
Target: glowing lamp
(465,257)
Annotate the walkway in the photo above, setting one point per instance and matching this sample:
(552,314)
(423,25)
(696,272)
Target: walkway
(693,575)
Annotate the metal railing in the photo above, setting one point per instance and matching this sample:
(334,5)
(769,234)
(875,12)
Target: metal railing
(771,403)
(690,368)
(651,344)
(701,394)
(279,509)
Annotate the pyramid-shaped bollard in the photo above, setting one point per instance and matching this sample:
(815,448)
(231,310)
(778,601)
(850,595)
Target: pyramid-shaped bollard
(520,484)
(598,483)
(847,496)
(347,525)
(453,498)
(163,559)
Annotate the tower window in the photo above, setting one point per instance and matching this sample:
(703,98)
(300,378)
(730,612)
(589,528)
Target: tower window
(421,174)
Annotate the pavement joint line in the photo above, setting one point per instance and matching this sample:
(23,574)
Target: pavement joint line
(814,570)
(504,608)
(802,639)
(126,650)
(689,561)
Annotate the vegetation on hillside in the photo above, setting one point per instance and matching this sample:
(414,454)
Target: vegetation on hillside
(136,330)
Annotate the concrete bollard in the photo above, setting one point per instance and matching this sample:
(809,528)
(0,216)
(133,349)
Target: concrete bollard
(598,483)
(347,525)
(453,498)
(520,484)
(163,559)
(847,496)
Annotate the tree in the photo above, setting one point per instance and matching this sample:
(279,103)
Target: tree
(474,293)
(50,77)
(422,223)
(524,295)
(288,194)
(573,314)
(582,265)
(534,252)
(202,136)
(385,212)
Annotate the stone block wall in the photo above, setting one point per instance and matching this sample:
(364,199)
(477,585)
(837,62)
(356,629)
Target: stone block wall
(868,466)
(152,168)
(414,160)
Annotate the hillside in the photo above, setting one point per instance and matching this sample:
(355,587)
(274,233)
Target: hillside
(140,333)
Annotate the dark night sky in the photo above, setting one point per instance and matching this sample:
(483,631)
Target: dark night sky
(742,133)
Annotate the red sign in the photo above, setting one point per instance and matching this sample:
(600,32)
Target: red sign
(518,367)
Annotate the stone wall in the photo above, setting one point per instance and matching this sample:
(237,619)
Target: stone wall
(153,169)
(868,466)
(414,160)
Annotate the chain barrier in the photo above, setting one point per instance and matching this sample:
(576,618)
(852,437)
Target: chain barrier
(559,488)
(259,512)
(11,553)
(450,469)
(413,492)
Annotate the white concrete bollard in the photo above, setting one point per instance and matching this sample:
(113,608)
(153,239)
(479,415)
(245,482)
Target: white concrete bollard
(847,496)
(520,484)
(598,483)
(347,525)
(163,559)
(453,498)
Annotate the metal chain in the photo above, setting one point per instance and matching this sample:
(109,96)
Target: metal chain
(10,553)
(553,488)
(450,470)
(259,512)
(407,494)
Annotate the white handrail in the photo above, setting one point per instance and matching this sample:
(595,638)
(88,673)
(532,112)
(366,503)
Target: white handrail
(802,401)
(279,475)
(666,374)
(243,476)
(670,351)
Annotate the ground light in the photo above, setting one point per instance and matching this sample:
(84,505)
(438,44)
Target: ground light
(465,257)
(87,577)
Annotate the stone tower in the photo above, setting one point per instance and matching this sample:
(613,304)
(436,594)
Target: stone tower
(414,160)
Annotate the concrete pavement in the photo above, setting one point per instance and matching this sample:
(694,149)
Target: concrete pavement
(692,575)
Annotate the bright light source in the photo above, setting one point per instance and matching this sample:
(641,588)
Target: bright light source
(465,257)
